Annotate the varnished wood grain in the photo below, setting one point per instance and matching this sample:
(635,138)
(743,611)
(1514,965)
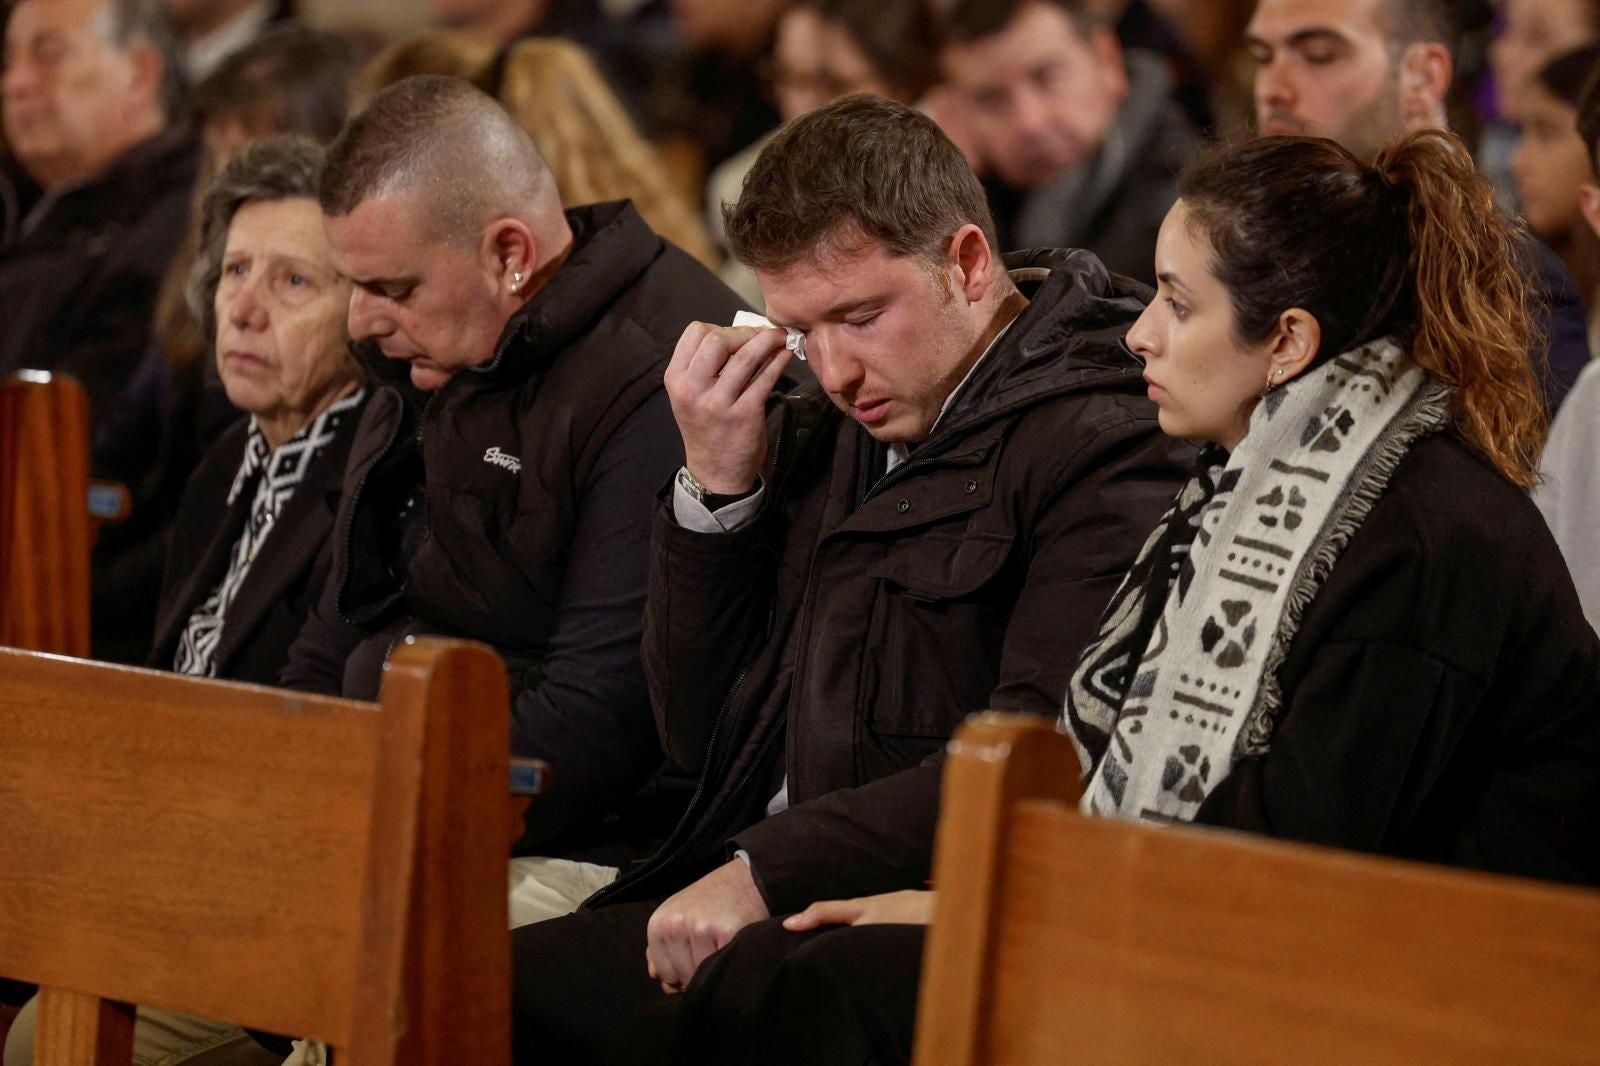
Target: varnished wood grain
(252,855)
(1110,942)
(456,924)
(44,519)
(80,1030)
(994,760)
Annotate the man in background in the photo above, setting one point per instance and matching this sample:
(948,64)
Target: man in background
(1365,72)
(1083,141)
(97,200)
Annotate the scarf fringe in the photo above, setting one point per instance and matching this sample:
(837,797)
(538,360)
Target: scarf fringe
(1426,414)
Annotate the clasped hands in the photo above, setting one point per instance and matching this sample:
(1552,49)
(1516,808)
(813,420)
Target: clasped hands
(694,924)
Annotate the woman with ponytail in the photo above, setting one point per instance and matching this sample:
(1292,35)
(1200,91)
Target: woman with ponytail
(1352,628)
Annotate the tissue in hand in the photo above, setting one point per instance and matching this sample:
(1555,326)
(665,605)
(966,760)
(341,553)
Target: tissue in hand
(796,341)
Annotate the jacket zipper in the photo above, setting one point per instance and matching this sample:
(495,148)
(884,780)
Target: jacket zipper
(355,504)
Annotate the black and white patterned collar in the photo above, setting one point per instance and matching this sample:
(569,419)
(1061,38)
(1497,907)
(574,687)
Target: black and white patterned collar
(283,469)
(288,463)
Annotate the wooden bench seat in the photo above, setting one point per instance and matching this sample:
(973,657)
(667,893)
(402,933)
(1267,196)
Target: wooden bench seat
(1065,939)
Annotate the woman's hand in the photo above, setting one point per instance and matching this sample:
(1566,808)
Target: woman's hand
(891,908)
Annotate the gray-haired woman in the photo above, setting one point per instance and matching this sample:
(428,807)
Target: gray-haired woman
(250,550)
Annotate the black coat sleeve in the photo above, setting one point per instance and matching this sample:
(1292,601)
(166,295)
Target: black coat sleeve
(586,709)
(879,837)
(708,614)
(325,643)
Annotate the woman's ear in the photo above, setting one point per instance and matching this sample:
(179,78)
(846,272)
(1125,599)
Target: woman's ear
(1293,346)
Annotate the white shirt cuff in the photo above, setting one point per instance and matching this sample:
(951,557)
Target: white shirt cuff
(696,517)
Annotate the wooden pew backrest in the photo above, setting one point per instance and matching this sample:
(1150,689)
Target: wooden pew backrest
(1100,941)
(250,855)
(44,520)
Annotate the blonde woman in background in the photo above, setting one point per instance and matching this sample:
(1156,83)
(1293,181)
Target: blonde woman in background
(556,92)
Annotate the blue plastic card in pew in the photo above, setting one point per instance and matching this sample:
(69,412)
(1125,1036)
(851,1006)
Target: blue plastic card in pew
(529,776)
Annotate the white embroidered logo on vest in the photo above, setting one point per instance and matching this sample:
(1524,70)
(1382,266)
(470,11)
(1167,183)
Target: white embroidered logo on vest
(495,457)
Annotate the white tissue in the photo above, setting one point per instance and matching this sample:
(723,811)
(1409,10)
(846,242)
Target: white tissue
(795,341)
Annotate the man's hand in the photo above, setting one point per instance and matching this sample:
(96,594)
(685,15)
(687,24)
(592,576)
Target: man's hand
(891,908)
(718,381)
(697,922)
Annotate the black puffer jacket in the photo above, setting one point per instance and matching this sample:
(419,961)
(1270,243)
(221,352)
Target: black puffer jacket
(531,479)
(836,642)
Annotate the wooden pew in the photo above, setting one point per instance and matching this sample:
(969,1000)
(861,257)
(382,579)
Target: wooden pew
(1065,939)
(303,865)
(45,532)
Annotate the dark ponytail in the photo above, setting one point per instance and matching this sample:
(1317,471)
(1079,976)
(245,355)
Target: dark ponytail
(1410,247)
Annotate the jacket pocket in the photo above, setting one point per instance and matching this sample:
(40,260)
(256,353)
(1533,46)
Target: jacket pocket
(942,614)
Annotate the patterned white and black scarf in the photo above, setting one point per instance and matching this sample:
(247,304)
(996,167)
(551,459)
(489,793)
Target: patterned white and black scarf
(1181,681)
(276,473)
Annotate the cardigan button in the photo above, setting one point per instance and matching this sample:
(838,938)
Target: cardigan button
(903,506)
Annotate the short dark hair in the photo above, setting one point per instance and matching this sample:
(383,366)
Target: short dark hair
(1589,120)
(964,21)
(284,167)
(291,79)
(146,22)
(1440,21)
(1572,78)
(861,167)
(900,38)
(450,140)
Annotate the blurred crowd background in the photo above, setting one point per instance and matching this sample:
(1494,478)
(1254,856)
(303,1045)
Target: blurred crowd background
(1078,116)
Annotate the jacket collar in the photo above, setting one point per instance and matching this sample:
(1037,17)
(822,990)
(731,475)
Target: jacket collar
(1066,338)
(611,247)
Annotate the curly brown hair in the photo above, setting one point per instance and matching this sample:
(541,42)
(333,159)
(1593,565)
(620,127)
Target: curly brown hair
(1410,246)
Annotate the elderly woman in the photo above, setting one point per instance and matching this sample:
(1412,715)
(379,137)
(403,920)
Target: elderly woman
(1351,629)
(250,549)
(291,79)
(249,552)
